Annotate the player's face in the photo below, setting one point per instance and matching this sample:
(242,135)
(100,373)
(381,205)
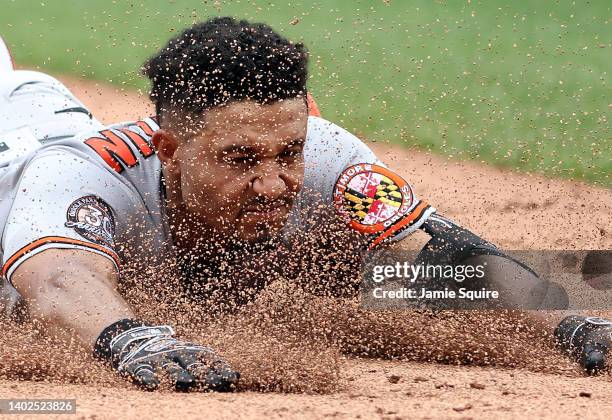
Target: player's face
(241,173)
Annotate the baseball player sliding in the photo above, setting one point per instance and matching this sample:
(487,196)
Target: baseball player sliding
(237,162)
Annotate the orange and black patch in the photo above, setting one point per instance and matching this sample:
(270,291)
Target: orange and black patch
(372,198)
(378,202)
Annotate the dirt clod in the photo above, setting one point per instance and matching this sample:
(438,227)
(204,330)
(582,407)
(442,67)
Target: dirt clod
(394,379)
(463,408)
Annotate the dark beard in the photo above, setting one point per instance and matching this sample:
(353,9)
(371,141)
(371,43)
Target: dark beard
(223,272)
(228,273)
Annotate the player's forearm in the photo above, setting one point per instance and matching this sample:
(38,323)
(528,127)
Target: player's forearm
(77,297)
(75,292)
(82,306)
(518,286)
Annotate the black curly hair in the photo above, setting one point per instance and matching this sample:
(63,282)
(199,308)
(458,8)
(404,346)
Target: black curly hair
(224,59)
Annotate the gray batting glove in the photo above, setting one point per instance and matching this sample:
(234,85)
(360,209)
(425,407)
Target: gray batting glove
(146,354)
(586,339)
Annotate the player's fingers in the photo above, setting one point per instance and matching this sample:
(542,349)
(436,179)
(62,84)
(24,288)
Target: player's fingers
(221,377)
(143,375)
(212,378)
(186,360)
(229,380)
(593,357)
(229,377)
(224,381)
(594,361)
(181,378)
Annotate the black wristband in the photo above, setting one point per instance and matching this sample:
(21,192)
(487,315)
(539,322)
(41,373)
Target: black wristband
(102,349)
(450,243)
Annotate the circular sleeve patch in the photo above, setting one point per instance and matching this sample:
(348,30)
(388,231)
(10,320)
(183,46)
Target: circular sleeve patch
(92,218)
(371,198)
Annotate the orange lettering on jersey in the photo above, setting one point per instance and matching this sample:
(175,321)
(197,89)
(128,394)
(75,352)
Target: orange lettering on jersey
(145,127)
(139,141)
(313,109)
(113,149)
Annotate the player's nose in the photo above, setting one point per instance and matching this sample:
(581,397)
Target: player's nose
(269,185)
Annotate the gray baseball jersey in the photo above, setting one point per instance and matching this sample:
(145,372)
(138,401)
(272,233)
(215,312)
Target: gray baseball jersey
(100,191)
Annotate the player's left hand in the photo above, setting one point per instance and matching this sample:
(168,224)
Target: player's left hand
(587,339)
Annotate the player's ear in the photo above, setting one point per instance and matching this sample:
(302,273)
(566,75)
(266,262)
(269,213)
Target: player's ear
(165,143)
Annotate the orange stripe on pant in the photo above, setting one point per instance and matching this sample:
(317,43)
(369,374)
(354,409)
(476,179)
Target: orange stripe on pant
(55,239)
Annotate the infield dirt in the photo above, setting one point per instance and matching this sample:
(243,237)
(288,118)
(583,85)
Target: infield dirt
(303,350)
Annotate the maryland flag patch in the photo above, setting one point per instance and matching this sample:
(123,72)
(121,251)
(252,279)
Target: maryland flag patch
(376,201)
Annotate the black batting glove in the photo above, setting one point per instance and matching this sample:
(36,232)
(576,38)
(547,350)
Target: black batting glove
(586,339)
(146,354)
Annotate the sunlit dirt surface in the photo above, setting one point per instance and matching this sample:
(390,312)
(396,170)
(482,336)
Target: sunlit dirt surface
(422,391)
(312,378)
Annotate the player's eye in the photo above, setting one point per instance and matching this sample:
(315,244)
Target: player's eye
(240,160)
(291,153)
